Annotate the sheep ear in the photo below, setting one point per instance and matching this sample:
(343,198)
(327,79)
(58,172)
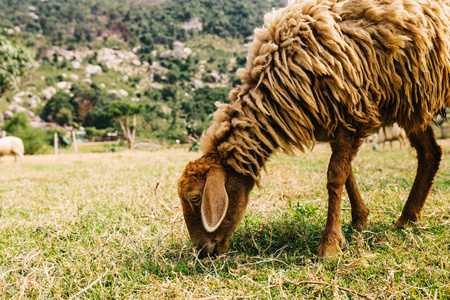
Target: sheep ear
(215,199)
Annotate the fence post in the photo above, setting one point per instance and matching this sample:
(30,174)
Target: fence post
(55,142)
(74,141)
(3,134)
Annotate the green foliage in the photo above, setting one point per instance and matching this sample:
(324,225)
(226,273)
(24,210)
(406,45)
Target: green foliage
(92,104)
(200,108)
(33,139)
(83,21)
(125,24)
(15,61)
(59,109)
(17,122)
(64,116)
(120,108)
(92,132)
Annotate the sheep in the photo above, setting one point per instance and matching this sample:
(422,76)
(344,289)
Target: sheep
(389,134)
(318,70)
(11,145)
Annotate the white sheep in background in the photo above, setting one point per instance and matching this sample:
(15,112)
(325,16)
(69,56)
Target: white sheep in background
(11,145)
(389,134)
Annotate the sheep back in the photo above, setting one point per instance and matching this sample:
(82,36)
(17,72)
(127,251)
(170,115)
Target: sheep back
(356,63)
(318,64)
(11,145)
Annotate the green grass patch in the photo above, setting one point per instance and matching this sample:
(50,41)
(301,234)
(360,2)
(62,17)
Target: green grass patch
(109,225)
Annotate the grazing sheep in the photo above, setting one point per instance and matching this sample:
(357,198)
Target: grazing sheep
(389,134)
(11,145)
(331,71)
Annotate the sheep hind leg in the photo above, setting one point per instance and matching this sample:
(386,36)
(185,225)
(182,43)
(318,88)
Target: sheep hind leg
(360,212)
(429,156)
(19,155)
(339,168)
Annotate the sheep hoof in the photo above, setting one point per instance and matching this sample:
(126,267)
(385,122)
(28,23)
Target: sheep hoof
(404,220)
(330,247)
(358,225)
(359,221)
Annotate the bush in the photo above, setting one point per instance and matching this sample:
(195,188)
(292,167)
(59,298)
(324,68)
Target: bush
(59,109)
(64,116)
(18,122)
(33,138)
(15,61)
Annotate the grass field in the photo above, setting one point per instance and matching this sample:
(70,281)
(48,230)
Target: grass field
(110,226)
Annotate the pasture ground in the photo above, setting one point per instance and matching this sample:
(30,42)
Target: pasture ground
(109,225)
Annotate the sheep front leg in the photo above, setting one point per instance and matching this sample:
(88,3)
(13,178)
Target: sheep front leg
(429,156)
(339,168)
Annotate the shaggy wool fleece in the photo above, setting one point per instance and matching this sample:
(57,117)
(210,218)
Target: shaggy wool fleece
(316,65)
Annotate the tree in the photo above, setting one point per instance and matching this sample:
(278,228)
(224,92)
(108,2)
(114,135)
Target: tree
(15,61)
(122,111)
(59,109)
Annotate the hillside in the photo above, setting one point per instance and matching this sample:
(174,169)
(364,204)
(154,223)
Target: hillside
(173,58)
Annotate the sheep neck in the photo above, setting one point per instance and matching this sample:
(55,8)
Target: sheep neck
(240,138)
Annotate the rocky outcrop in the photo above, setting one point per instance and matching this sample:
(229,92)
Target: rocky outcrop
(192,26)
(179,50)
(93,69)
(47,93)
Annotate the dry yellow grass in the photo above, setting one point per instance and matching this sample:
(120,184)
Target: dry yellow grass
(109,225)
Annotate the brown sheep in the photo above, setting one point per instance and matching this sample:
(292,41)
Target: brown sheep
(331,71)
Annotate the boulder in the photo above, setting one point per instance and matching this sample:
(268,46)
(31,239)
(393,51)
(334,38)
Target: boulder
(93,69)
(33,101)
(123,92)
(19,97)
(76,64)
(197,83)
(187,51)
(7,114)
(156,86)
(180,54)
(63,85)
(215,76)
(15,108)
(47,93)
(193,25)
(33,15)
(178,45)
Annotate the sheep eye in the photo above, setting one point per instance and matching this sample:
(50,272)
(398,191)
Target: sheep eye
(195,199)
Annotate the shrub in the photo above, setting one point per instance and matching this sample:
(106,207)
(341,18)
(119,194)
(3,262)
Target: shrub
(59,108)
(64,116)
(18,122)
(34,139)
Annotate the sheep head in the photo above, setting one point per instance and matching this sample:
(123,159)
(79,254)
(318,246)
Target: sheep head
(213,198)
